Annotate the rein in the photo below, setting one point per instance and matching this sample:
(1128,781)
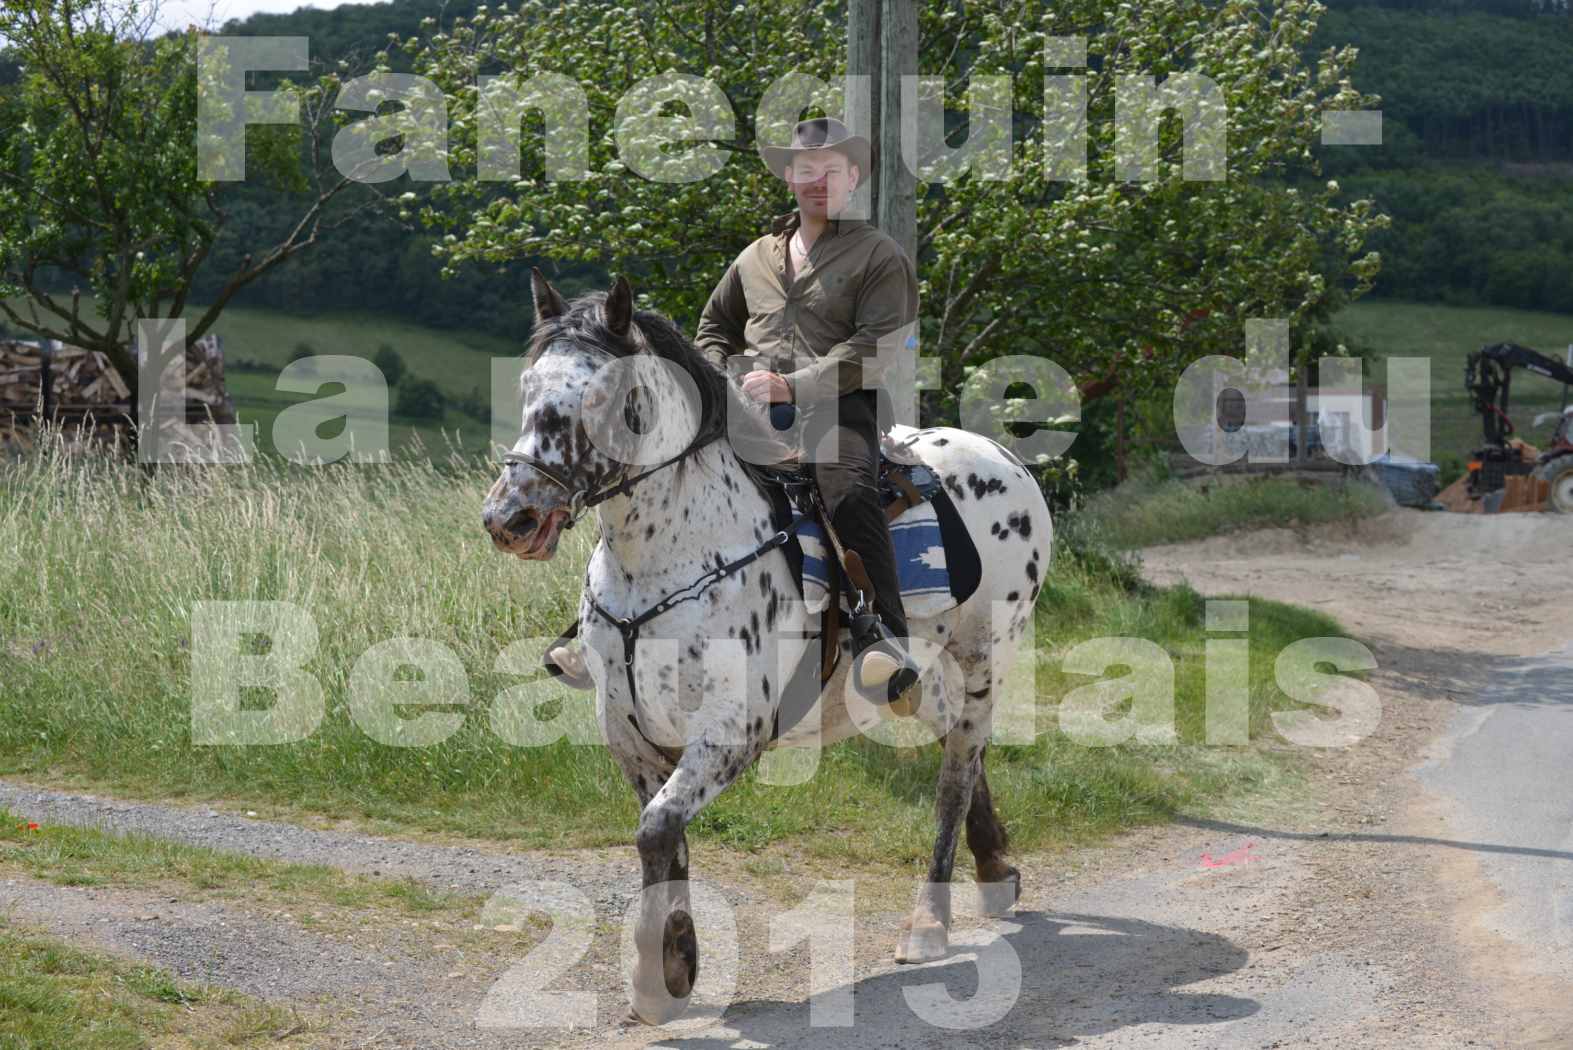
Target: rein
(580,500)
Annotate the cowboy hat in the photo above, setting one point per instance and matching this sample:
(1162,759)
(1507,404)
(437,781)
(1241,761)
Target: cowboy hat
(819,133)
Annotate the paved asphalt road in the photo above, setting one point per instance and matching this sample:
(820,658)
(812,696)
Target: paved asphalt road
(1508,774)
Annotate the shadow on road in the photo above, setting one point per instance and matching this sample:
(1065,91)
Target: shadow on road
(1079,975)
(1543,683)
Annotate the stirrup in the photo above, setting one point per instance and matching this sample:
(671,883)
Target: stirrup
(883,672)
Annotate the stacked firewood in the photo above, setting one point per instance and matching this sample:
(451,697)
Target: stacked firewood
(207,402)
(85,391)
(205,389)
(78,377)
(90,399)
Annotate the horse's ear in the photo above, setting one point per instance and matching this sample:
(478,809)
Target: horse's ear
(548,303)
(620,307)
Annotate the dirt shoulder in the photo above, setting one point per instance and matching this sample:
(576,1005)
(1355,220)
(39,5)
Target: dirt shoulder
(1451,606)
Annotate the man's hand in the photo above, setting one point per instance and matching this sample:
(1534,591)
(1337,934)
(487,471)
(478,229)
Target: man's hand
(769,387)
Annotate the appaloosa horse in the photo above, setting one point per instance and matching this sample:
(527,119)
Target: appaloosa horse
(622,413)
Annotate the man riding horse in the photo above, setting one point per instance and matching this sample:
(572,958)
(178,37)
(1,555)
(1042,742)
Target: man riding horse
(811,301)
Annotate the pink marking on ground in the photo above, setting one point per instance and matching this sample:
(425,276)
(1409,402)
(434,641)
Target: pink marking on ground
(1243,855)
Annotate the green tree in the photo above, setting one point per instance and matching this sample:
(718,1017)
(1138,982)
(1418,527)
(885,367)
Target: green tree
(420,399)
(1122,283)
(387,359)
(98,177)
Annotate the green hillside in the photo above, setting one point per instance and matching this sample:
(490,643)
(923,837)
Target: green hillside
(458,362)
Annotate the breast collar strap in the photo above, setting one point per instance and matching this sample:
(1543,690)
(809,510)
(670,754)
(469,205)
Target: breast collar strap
(582,500)
(629,627)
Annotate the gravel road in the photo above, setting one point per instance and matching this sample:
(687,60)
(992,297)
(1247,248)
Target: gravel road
(1415,895)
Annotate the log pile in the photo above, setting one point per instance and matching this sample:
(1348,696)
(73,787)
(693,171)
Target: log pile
(78,376)
(205,389)
(90,399)
(207,402)
(86,394)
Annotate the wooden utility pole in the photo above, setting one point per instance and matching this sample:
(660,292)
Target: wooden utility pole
(863,60)
(882,44)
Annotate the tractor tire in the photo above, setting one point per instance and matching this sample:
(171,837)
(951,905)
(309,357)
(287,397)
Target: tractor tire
(1560,473)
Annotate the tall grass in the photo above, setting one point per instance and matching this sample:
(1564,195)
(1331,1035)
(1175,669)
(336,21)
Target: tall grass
(101,566)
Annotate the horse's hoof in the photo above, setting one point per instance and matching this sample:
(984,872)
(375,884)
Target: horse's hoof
(661,996)
(922,942)
(999,897)
(680,955)
(655,1009)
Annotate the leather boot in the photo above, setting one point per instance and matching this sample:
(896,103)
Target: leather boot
(883,668)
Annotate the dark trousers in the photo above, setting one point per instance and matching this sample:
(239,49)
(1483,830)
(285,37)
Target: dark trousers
(849,486)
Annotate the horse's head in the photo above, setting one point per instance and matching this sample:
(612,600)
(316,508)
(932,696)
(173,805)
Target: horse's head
(604,398)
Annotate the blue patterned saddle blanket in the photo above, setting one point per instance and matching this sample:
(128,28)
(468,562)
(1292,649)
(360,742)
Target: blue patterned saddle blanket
(920,564)
(936,560)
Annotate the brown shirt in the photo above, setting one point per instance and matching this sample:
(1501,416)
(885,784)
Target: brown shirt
(822,328)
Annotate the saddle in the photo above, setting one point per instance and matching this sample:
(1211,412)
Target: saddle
(937,561)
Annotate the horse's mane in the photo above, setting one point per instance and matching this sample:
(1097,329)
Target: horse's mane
(719,400)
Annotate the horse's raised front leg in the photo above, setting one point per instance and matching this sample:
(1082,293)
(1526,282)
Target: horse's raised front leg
(668,946)
(924,935)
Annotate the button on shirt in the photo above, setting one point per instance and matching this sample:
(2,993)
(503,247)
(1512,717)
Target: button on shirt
(822,328)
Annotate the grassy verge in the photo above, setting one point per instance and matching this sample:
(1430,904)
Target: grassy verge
(75,856)
(103,569)
(1146,513)
(54,996)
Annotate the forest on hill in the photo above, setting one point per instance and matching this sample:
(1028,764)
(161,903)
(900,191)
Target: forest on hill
(1477,101)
